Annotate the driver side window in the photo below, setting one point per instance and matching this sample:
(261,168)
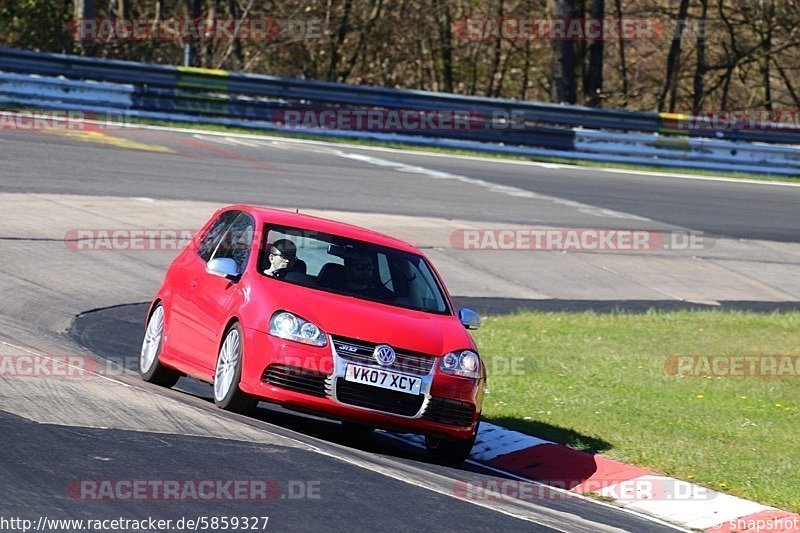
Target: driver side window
(211,239)
(236,241)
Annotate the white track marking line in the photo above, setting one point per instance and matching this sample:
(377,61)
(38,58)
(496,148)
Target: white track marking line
(492,187)
(45,356)
(492,441)
(694,506)
(231,141)
(561,166)
(683,502)
(565,492)
(499,160)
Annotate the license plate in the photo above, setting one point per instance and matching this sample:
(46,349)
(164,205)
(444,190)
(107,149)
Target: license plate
(383,379)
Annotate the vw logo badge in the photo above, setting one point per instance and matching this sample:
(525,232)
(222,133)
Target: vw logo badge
(384,354)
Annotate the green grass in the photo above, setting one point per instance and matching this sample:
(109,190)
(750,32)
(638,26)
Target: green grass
(598,382)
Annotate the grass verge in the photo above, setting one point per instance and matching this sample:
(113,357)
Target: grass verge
(598,382)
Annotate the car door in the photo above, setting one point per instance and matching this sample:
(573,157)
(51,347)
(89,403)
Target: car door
(218,298)
(185,314)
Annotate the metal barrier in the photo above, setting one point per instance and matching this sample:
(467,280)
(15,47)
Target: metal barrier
(148,91)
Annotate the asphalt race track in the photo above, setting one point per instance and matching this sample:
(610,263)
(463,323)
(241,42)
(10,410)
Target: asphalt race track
(208,169)
(92,329)
(110,425)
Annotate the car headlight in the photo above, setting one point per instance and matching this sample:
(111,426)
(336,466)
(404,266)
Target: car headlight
(291,327)
(464,363)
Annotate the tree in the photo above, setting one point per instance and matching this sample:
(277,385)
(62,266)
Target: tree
(623,66)
(593,81)
(563,65)
(84,9)
(674,56)
(700,70)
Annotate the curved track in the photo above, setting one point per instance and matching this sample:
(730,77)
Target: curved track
(312,175)
(109,425)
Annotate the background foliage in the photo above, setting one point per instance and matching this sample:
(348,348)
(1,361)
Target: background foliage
(747,57)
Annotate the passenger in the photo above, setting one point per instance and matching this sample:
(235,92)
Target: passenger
(282,257)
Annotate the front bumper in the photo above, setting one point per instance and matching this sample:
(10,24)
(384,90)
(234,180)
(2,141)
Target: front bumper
(446,406)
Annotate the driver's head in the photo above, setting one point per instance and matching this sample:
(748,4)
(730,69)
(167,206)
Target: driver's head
(282,254)
(358,265)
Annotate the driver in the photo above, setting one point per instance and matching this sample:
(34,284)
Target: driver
(359,279)
(282,256)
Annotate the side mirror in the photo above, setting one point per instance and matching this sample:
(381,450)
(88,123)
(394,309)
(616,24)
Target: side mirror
(223,267)
(469,318)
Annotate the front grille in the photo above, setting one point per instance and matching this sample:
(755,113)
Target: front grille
(389,401)
(451,412)
(296,379)
(361,352)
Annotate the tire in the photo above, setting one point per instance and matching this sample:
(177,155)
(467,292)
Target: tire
(449,450)
(228,374)
(355,428)
(150,368)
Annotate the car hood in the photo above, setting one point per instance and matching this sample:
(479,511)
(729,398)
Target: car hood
(373,322)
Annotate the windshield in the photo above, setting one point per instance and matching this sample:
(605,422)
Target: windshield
(355,268)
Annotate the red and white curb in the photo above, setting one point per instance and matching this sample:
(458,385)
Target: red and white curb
(678,502)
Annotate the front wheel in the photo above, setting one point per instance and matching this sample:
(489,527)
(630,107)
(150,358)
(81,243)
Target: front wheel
(450,450)
(228,374)
(150,368)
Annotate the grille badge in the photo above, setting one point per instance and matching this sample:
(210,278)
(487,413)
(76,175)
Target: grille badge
(384,355)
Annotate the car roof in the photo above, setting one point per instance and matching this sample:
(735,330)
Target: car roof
(280,217)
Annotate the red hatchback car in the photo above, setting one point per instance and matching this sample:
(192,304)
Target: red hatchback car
(322,317)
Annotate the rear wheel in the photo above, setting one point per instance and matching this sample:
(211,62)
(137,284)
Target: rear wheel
(228,374)
(448,449)
(150,368)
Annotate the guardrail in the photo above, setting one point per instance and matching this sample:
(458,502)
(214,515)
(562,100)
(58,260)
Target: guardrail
(149,91)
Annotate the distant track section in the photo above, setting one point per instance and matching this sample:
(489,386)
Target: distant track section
(530,129)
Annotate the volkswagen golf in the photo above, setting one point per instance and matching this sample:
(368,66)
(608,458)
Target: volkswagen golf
(322,317)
